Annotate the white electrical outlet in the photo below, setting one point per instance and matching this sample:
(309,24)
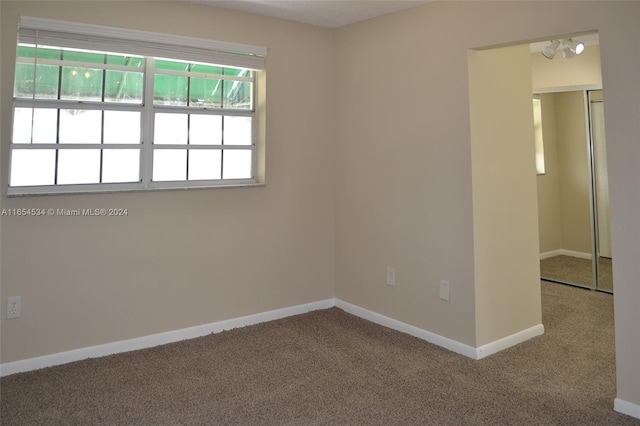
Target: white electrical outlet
(391,276)
(444,290)
(14,307)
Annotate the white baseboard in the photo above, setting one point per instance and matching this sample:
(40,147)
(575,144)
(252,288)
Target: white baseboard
(216,327)
(506,342)
(548,254)
(157,339)
(625,407)
(565,252)
(577,254)
(436,339)
(445,342)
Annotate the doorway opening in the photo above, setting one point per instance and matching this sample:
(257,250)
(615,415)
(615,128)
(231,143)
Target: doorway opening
(508,227)
(573,196)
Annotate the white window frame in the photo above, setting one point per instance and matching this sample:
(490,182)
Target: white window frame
(539,140)
(150,45)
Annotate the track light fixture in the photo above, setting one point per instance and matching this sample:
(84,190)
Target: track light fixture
(550,51)
(570,48)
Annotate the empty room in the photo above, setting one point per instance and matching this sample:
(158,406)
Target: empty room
(306,212)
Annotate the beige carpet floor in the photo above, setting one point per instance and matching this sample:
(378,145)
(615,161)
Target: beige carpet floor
(330,368)
(578,271)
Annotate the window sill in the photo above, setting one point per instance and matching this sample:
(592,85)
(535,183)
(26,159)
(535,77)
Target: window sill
(77,190)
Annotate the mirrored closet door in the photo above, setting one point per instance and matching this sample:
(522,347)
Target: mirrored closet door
(573,197)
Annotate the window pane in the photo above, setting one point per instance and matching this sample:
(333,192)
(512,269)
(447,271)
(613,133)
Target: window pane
(162,64)
(237,164)
(80,126)
(539,144)
(33,167)
(204,164)
(21,125)
(81,84)
(237,95)
(29,51)
(205,92)
(205,130)
(170,90)
(83,56)
(123,86)
(46,79)
(44,129)
(23,87)
(45,123)
(206,69)
(169,164)
(120,165)
(170,129)
(78,166)
(237,72)
(237,130)
(129,61)
(122,127)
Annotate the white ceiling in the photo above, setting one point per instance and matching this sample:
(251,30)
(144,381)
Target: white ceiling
(323,13)
(337,13)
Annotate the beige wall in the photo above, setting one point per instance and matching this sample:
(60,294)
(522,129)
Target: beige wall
(404,171)
(505,214)
(404,178)
(180,258)
(573,168)
(620,43)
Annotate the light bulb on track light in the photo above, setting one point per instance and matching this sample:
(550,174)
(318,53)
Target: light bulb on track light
(572,48)
(576,46)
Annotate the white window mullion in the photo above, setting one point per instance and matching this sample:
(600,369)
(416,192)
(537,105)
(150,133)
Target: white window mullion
(254,127)
(76,188)
(81,105)
(146,157)
(196,147)
(35,146)
(207,111)
(203,75)
(204,110)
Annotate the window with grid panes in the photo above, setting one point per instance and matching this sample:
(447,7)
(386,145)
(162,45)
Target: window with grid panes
(91,120)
